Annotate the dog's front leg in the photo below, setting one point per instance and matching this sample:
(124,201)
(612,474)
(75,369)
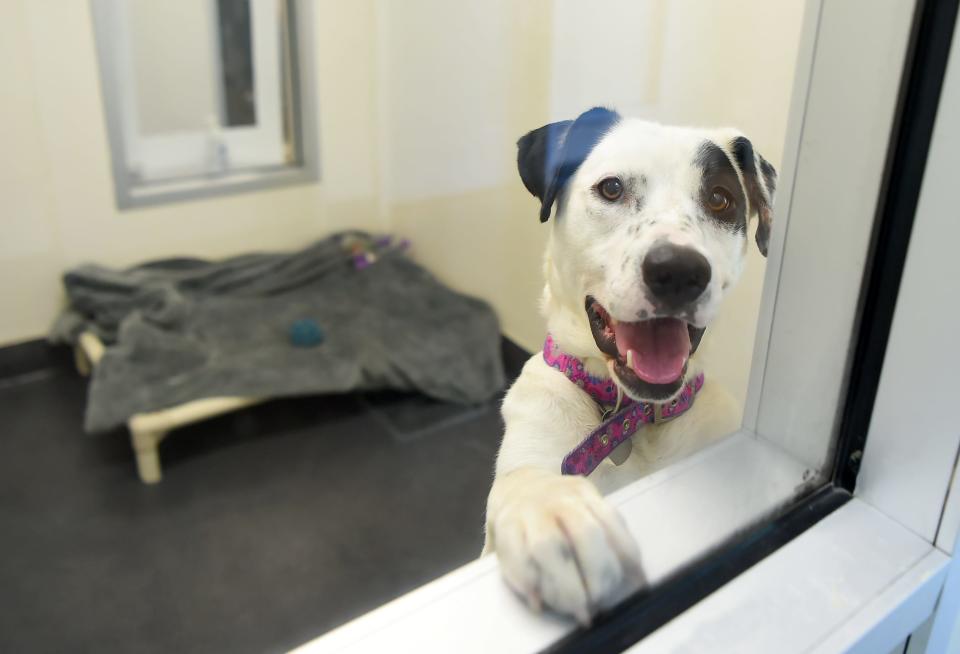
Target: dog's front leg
(560,544)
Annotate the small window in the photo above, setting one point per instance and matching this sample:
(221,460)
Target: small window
(237,80)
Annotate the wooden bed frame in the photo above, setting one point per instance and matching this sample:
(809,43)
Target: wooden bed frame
(148,429)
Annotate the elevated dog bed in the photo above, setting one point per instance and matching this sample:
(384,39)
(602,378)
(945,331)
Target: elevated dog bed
(179,340)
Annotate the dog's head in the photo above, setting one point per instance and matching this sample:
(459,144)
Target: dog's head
(650,233)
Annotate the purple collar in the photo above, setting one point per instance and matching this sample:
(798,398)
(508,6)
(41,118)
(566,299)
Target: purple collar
(628,415)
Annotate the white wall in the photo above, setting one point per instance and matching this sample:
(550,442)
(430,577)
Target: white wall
(605,53)
(460,82)
(55,182)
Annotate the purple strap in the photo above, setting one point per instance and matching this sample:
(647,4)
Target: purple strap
(601,389)
(585,457)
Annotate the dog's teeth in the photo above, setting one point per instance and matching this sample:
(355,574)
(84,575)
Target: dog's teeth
(630,358)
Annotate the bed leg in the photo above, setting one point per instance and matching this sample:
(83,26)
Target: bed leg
(148,458)
(81,361)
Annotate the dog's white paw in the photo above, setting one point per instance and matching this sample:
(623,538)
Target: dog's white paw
(560,545)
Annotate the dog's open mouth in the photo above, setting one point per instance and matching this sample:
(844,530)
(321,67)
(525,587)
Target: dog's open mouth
(648,357)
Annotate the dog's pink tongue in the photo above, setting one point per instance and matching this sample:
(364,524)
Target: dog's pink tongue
(660,348)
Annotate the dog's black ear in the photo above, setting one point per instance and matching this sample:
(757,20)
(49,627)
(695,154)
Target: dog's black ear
(549,156)
(536,154)
(760,180)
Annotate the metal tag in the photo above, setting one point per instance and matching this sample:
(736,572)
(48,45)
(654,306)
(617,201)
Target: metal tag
(622,452)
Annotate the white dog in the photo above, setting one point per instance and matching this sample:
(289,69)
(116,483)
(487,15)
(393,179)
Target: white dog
(650,233)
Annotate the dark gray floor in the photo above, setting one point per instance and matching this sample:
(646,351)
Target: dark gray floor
(270,527)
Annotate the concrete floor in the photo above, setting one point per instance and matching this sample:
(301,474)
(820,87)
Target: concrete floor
(270,527)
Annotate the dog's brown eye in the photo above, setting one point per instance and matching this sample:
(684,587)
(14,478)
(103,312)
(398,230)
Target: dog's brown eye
(719,200)
(611,188)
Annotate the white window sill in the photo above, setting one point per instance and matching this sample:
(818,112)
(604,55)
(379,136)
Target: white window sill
(827,589)
(832,589)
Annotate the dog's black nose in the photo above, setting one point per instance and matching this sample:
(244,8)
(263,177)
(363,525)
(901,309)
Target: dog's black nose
(675,275)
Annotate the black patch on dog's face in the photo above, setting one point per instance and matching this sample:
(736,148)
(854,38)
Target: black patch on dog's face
(719,173)
(549,156)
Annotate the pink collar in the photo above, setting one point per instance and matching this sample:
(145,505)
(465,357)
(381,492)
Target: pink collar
(628,415)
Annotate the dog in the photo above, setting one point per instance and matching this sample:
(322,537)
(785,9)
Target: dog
(649,235)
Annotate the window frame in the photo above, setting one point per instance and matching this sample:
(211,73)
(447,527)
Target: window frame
(887,579)
(262,160)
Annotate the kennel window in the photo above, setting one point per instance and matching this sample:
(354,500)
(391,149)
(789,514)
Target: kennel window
(224,107)
(828,521)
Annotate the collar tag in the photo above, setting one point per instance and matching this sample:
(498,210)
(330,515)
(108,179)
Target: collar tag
(621,452)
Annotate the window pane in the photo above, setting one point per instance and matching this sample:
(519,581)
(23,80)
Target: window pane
(236,54)
(199,92)
(626,250)
(164,68)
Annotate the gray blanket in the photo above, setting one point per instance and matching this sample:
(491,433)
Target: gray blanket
(183,329)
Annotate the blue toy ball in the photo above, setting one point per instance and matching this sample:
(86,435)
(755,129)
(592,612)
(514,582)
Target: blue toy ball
(305,333)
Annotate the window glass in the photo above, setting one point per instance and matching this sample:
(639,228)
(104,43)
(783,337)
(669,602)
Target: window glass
(212,102)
